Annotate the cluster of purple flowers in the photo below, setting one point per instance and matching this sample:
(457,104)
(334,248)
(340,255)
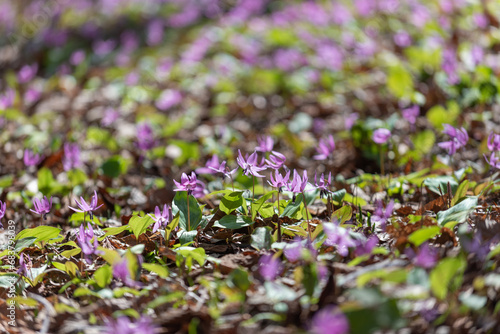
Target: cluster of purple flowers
(458,139)
(493,144)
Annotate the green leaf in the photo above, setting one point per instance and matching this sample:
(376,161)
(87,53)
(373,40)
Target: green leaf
(338,196)
(439,184)
(41,233)
(424,141)
(443,275)
(438,115)
(255,206)
(459,212)
(139,225)
(231,202)
(343,214)
(76,177)
(72,252)
(46,183)
(461,192)
(261,238)
(292,207)
(399,81)
(71,268)
(162,271)
(24,243)
(187,237)
(473,301)
(420,236)
(180,205)
(233,222)
(103,276)
(198,254)
(171,226)
(115,230)
(78,217)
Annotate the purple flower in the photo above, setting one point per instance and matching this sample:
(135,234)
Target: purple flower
(337,236)
(279,181)
(7,99)
(145,137)
(323,185)
(477,245)
(84,207)
(365,247)
(190,184)
(77,57)
(480,20)
(110,116)
(161,218)
(102,48)
(27,73)
(293,250)
(24,266)
(325,148)
(123,325)
(459,138)
(402,39)
(494,161)
(381,216)
(42,207)
(411,114)
(31,159)
(426,257)
(84,240)
(71,157)
(3,207)
(350,120)
(297,184)
(266,144)
(269,267)
(223,169)
(168,99)
(329,320)
(154,32)
(450,65)
(493,142)
(32,95)
(121,272)
(249,165)
(276,160)
(211,166)
(381,136)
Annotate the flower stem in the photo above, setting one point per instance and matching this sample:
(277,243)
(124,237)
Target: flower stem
(307,217)
(381,152)
(279,221)
(189,216)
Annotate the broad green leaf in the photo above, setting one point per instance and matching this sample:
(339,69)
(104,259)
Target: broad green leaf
(41,233)
(198,254)
(400,82)
(115,230)
(139,225)
(438,115)
(72,252)
(47,185)
(78,217)
(459,212)
(338,196)
(261,238)
(103,276)
(76,177)
(425,233)
(187,237)
(59,265)
(180,205)
(24,243)
(255,206)
(71,268)
(443,275)
(231,202)
(233,222)
(461,192)
(292,207)
(424,141)
(439,184)
(162,271)
(171,226)
(343,214)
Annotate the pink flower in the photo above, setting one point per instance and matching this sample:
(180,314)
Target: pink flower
(381,136)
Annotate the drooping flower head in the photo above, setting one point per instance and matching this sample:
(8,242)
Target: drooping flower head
(279,181)
(493,142)
(381,136)
(325,148)
(189,183)
(84,207)
(223,169)
(458,139)
(329,320)
(297,184)
(276,160)
(122,272)
(31,159)
(3,207)
(42,207)
(71,157)
(426,257)
(381,215)
(210,166)
(411,114)
(27,73)
(266,144)
(84,240)
(24,265)
(145,136)
(269,267)
(249,165)
(338,236)
(493,161)
(161,218)
(123,325)
(323,184)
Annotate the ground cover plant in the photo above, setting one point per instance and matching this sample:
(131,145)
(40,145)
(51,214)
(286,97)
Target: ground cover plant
(249,166)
